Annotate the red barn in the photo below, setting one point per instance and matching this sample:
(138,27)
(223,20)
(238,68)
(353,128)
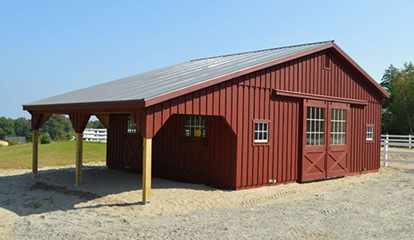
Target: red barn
(296,113)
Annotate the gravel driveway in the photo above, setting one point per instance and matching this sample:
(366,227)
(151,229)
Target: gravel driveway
(371,206)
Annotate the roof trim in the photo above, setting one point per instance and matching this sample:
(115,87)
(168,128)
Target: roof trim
(92,107)
(361,70)
(262,50)
(279,92)
(210,82)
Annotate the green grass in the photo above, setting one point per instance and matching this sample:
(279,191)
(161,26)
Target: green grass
(53,154)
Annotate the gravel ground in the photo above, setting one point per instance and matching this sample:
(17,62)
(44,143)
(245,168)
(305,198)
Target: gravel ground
(372,206)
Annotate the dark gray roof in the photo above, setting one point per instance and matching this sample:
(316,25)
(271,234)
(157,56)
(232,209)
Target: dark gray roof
(170,79)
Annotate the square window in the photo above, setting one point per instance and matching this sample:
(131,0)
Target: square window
(194,126)
(261,132)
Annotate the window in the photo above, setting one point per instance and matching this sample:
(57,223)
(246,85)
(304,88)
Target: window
(338,126)
(131,126)
(315,126)
(327,61)
(261,132)
(370,133)
(195,126)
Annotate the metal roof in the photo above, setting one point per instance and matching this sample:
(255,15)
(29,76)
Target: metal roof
(173,78)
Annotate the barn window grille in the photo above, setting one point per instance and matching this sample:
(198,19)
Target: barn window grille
(132,128)
(338,126)
(315,126)
(195,126)
(370,133)
(261,132)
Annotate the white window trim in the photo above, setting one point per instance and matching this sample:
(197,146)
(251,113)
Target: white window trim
(370,134)
(260,131)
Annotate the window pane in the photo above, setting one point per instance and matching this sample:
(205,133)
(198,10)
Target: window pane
(338,126)
(194,126)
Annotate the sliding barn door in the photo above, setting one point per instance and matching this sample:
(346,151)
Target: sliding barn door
(338,146)
(325,140)
(314,144)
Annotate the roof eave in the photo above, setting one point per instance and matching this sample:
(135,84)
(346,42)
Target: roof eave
(90,107)
(361,70)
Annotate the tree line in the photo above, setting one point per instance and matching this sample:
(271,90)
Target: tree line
(56,128)
(398,109)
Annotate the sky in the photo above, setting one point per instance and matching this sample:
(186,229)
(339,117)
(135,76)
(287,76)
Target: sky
(51,47)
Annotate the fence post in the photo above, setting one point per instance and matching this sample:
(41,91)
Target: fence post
(386,163)
(409,141)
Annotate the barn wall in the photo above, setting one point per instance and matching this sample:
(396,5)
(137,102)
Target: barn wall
(210,160)
(124,150)
(246,98)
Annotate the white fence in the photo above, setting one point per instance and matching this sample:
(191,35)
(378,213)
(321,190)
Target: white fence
(397,140)
(95,135)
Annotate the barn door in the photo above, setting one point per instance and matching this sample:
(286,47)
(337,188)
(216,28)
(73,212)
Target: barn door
(314,144)
(337,149)
(325,140)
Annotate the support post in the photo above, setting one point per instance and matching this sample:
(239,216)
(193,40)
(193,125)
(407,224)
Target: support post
(78,163)
(386,163)
(35,152)
(37,121)
(409,141)
(146,169)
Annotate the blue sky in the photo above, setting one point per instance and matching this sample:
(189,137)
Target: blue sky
(50,47)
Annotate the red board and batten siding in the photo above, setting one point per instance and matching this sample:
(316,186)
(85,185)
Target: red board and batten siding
(247,98)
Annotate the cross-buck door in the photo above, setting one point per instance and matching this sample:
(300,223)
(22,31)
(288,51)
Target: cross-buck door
(314,144)
(325,140)
(337,157)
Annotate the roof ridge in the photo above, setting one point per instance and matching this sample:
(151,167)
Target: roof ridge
(262,50)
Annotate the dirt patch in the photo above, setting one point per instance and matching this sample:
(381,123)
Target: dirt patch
(107,206)
(63,190)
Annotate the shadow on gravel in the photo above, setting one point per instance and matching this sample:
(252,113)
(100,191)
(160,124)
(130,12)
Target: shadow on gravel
(54,189)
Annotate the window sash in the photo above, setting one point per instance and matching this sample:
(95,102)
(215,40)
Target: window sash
(370,133)
(261,132)
(338,126)
(315,126)
(194,126)
(132,128)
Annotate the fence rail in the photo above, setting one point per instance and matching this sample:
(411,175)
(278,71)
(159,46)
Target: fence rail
(397,140)
(95,135)
(392,140)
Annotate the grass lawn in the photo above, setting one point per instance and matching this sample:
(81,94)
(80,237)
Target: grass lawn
(53,154)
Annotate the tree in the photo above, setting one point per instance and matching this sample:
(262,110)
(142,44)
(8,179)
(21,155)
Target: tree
(6,127)
(58,127)
(398,112)
(22,127)
(95,124)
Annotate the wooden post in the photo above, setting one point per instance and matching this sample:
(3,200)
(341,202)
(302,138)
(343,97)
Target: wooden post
(409,141)
(78,163)
(146,169)
(35,153)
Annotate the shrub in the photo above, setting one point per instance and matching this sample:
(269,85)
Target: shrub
(11,143)
(45,138)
